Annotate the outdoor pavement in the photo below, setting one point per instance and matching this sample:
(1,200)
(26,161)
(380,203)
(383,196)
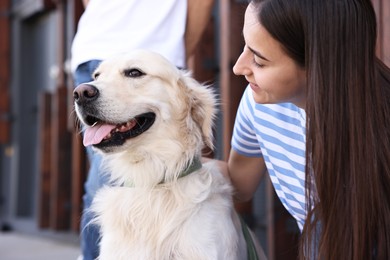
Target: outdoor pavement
(18,246)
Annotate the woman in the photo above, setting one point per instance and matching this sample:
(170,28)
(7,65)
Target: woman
(316,116)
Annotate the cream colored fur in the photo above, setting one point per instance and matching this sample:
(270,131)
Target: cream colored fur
(150,213)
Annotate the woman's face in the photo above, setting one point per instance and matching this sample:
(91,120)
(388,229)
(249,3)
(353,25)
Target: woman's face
(273,76)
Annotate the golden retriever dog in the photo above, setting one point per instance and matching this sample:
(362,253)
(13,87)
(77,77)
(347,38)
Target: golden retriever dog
(151,121)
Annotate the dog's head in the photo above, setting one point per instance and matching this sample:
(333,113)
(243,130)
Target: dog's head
(141,99)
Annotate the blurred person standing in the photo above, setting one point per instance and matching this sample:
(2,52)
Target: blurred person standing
(172,28)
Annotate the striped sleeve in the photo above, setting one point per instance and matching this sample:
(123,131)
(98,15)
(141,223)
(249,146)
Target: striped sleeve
(277,133)
(244,139)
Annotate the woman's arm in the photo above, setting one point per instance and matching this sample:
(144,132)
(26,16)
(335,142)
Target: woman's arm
(245,174)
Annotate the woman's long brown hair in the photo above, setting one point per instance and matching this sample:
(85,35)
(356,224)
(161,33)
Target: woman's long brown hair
(348,124)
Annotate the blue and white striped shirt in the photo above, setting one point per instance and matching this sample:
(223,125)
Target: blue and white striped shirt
(276,132)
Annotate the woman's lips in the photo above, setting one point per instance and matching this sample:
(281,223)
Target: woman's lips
(253,86)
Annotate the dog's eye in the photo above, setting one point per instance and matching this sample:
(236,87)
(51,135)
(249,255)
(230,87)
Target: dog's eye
(96,75)
(133,73)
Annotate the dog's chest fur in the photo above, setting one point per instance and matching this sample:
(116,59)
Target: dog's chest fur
(169,221)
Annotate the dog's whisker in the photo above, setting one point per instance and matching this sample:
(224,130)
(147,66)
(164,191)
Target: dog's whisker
(77,122)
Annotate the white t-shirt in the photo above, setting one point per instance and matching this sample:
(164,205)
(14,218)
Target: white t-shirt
(111,27)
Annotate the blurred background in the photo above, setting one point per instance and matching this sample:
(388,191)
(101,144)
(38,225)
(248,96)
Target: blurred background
(42,161)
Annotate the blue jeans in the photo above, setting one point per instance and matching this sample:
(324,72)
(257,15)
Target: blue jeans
(95,179)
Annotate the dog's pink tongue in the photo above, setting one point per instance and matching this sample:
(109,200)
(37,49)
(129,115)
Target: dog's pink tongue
(95,134)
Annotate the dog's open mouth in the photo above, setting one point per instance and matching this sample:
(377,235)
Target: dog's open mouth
(102,134)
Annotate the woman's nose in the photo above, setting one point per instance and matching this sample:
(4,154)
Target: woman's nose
(241,67)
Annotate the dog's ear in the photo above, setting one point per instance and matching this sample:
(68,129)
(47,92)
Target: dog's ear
(203,106)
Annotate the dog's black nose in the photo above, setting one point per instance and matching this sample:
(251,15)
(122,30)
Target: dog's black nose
(85,93)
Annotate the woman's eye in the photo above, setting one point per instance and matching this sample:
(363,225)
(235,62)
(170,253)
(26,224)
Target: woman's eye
(133,73)
(257,64)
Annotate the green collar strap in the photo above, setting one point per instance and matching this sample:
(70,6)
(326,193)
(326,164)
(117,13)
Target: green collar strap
(250,244)
(195,165)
